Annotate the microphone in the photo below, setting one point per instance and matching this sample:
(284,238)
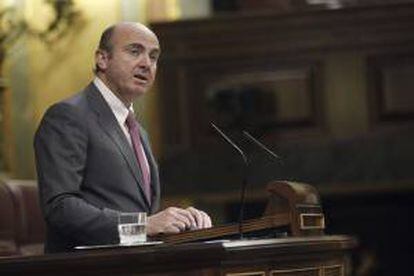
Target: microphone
(245,175)
(262,146)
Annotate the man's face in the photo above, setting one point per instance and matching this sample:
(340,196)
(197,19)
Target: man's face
(129,69)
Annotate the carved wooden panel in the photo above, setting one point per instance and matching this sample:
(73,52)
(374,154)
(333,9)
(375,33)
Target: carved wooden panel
(249,273)
(259,96)
(391,84)
(311,271)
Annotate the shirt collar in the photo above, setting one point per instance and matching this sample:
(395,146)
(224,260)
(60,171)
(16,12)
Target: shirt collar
(117,106)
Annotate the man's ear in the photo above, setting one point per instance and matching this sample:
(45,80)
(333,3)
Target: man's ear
(101,59)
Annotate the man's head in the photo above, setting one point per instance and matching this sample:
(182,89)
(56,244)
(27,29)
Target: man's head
(126,60)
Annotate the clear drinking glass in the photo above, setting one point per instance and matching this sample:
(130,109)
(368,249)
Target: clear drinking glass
(132,228)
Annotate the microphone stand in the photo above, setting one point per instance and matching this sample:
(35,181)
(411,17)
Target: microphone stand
(262,146)
(242,199)
(245,176)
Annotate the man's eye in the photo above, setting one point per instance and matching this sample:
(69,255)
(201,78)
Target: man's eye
(135,52)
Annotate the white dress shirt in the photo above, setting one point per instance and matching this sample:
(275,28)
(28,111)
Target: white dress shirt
(118,108)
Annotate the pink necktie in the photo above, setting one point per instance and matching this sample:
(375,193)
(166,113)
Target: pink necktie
(133,127)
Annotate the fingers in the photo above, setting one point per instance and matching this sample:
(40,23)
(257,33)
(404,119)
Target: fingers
(170,220)
(175,220)
(184,216)
(172,229)
(202,219)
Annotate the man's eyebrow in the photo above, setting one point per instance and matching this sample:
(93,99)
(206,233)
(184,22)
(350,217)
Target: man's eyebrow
(134,45)
(137,45)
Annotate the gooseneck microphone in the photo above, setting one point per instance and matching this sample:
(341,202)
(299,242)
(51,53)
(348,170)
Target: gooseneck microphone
(262,146)
(245,175)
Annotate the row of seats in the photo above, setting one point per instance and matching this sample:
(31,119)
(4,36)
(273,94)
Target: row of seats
(22,228)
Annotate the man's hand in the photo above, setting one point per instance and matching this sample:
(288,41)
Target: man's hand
(175,220)
(201,218)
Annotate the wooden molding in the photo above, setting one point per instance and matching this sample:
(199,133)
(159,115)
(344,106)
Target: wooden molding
(361,28)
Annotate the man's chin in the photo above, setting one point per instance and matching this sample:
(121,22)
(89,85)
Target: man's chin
(139,91)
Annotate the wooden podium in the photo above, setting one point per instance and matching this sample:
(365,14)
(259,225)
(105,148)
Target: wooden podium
(293,210)
(291,256)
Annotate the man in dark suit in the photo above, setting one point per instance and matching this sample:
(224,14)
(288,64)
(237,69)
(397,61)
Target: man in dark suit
(93,158)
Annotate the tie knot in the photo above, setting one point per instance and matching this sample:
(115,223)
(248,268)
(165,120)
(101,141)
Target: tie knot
(130,121)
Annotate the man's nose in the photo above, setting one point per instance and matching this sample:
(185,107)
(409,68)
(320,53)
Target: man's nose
(145,61)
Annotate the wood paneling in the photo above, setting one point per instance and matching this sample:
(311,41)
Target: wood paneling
(391,88)
(231,57)
(354,70)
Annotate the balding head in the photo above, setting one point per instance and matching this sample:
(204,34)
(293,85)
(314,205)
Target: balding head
(105,42)
(126,60)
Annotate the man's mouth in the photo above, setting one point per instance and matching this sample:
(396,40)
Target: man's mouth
(141,78)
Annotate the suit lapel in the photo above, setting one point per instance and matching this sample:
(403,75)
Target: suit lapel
(110,125)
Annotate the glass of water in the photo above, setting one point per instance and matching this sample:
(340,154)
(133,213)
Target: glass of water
(132,228)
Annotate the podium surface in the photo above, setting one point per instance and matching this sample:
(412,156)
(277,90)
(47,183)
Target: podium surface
(316,255)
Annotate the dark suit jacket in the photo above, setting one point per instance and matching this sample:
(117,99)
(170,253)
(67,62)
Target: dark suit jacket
(87,172)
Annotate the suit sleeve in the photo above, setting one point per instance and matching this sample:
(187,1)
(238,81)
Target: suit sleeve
(61,145)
